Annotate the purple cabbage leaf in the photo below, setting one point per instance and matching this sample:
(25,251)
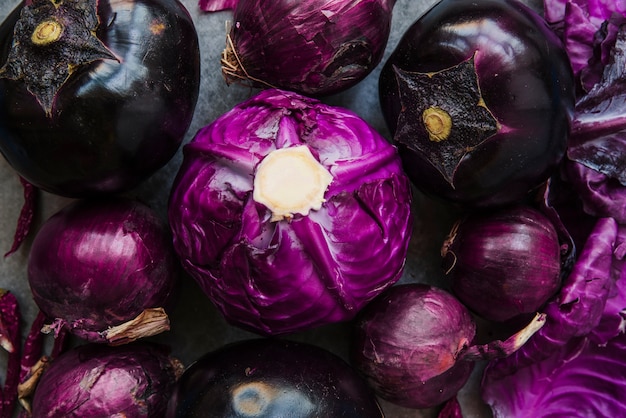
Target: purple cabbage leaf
(582,379)
(597,152)
(588,29)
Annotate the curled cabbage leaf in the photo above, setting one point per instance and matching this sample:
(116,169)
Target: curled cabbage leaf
(279,272)
(583,379)
(596,156)
(588,29)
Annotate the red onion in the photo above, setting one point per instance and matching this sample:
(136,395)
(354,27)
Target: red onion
(96,380)
(503,263)
(105,269)
(415,345)
(313,47)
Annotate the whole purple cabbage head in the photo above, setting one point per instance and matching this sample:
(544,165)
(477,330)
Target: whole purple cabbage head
(290,213)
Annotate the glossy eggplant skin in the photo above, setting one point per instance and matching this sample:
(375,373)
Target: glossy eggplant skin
(114,123)
(526,82)
(269,378)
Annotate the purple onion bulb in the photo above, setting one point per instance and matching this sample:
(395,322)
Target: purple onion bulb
(98,265)
(317,47)
(504,263)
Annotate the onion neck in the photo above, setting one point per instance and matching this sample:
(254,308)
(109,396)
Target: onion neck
(291,181)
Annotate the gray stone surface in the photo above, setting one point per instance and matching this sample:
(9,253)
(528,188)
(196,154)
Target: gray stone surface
(196,325)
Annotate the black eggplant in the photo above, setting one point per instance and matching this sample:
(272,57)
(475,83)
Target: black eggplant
(95,95)
(269,378)
(479,97)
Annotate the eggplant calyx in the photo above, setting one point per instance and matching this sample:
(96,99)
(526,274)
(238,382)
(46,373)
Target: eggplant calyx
(443,115)
(51,40)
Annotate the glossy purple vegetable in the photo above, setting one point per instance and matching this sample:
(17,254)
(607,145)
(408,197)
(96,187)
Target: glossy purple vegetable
(503,263)
(105,269)
(316,47)
(95,95)
(273,205)
(96,380)
(268,378)
(415,345)
(478,97)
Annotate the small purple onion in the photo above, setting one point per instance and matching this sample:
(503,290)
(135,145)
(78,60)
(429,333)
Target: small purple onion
(105,269)
(315,47)
(407,343)
(415,345)
(96,380)
(503,263)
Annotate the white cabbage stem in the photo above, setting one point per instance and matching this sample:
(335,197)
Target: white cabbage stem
(291,181)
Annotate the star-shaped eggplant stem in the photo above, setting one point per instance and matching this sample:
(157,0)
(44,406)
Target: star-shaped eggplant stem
(443,115)
(51,39)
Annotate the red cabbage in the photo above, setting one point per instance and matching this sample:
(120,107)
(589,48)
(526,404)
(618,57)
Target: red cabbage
(582,375)
(595,164)
(582,379)
(272,270)
(588,29)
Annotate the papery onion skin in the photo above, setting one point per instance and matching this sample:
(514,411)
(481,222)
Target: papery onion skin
(98,263)
(113,123)
(96,380)
(287,276)
(504,263)
(525,80)
(266,378)
(316,48)
(407,341)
